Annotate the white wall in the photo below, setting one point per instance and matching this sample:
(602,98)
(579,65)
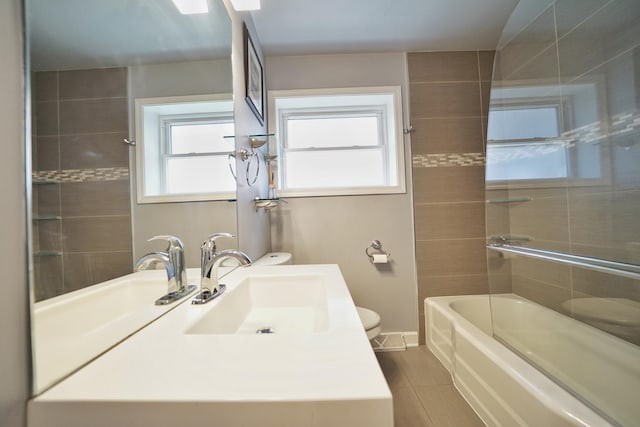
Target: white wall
(14,304)
(191,221)
(338,229)
(254,235)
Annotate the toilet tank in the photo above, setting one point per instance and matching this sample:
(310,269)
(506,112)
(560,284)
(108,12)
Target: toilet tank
(274,258)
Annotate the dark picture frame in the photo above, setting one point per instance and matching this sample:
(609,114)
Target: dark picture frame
(253,78)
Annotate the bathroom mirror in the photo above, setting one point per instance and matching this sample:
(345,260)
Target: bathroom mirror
(90,60)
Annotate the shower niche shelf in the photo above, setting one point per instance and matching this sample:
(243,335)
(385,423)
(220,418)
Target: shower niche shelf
(44,181)
(46,217)
(43,254)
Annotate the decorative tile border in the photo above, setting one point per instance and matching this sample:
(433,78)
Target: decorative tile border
(593,133)
(82,175)
(448,160)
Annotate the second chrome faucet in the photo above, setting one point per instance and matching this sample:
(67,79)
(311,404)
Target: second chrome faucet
(210,260)
(173,261)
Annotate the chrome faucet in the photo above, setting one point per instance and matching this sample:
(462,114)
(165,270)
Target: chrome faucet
(208,248)
(173,262)
(211,259)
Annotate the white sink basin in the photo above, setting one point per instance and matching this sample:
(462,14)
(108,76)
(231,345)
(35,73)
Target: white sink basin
(268,304)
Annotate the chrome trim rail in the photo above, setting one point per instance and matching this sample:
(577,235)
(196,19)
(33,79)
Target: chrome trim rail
(621,269)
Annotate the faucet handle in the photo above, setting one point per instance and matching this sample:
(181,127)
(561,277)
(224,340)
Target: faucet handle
(210,242)
(174,242)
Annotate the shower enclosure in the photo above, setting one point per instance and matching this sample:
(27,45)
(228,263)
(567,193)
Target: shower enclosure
(563,193)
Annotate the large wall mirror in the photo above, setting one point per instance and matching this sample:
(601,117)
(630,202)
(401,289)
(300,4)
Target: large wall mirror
(91,61)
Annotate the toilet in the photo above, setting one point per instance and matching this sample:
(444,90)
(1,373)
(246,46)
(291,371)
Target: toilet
(369,318)
(370,321)
(618,316)
(274,258)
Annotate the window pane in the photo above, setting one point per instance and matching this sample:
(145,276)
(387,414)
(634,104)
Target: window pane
(201,138)
(332,132)
(526,161)
(202,174)
(335,169)
(523,123)
(587,160)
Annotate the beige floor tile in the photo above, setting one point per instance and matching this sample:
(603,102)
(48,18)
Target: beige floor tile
(390,364)
(407,409)
(446,407)
(421,367)
(423,395)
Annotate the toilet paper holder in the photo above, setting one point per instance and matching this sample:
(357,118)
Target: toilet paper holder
(377,246)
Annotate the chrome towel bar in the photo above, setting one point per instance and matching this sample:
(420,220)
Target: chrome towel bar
(621,269)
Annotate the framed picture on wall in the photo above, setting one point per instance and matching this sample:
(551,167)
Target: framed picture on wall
(253,78)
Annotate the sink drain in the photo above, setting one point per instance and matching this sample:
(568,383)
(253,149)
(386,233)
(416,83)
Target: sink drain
(265,330)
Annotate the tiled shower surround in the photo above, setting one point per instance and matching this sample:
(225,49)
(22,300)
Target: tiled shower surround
(584,57)
(449,96)
(82,218)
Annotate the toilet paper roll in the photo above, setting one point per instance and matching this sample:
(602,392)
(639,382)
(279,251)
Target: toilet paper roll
(379,258)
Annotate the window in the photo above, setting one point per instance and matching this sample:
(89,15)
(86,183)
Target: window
(339,141)
(524,144)
(195,147)
(534,139)
(183,152)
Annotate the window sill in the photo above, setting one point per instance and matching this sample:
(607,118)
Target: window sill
(178,198)
(364,191)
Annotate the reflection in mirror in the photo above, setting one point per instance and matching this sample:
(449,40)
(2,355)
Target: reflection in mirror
(184,145)
(87,69)
(526,143)
(564,133)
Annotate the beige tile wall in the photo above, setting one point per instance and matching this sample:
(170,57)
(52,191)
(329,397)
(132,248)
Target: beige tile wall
(449,104)
(81,119)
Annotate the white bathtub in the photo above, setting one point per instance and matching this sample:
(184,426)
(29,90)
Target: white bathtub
(505,390)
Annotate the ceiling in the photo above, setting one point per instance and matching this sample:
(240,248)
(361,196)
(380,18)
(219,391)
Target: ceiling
(96,33)
(288,27)
(67,34)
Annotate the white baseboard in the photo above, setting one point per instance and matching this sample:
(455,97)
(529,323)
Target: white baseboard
(411,338)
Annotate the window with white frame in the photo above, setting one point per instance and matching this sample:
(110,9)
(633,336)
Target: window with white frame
(183,148)
(339,141)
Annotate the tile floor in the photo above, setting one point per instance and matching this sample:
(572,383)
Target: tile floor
(423,393)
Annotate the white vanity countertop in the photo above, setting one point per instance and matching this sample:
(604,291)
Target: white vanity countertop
(163,366)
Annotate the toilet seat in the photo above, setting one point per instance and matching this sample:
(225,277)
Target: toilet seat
(370,321)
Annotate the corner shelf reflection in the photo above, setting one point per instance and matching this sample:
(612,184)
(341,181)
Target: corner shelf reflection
(267,204)
(256,140)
